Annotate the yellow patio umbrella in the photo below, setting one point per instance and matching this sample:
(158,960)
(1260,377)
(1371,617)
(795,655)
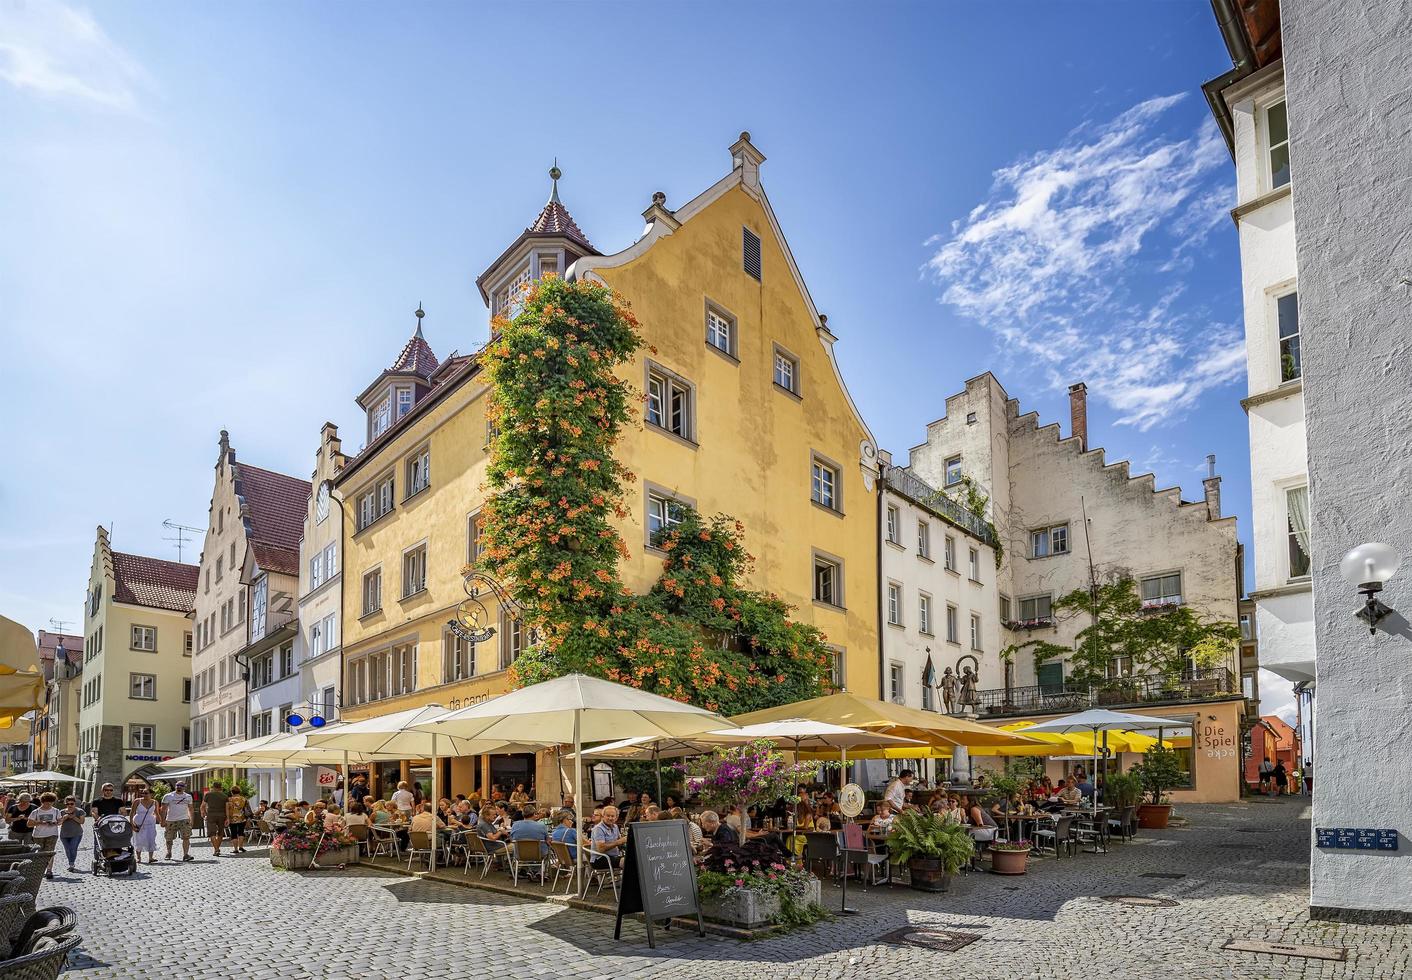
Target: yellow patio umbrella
(21,683)
(1075,743)
(18,649)
(856,711)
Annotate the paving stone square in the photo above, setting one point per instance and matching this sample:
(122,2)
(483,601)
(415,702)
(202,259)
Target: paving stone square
(238,917)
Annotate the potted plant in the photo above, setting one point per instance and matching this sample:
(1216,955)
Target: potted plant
(932,847)
(1158,771)
(1008,856)
(752,885)
(299,845)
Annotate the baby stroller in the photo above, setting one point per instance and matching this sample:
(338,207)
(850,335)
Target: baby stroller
(112,846)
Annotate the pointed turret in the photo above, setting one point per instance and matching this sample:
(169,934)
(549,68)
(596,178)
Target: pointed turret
(398,389)
(551,243)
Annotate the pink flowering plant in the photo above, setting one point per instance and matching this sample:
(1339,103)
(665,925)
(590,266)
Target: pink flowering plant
(302,837)
(759,865)
(755,772)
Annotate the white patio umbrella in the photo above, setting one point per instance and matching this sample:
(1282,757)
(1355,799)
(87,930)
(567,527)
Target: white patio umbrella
(42,776)
(648,748)
(1097,720)
(577,709)
(294,747)
(408,735)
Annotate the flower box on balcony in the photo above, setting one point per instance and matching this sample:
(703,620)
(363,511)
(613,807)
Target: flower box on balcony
(1043,622)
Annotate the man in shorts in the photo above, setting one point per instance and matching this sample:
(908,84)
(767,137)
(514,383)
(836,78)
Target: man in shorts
(213,813)
(174,814)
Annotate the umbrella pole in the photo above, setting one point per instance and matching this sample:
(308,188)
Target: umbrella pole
(657,765)
(579,842)
(283,781)
(435,799)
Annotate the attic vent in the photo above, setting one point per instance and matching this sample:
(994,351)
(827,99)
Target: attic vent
(751,250)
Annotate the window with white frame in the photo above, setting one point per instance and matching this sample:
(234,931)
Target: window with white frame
(414,571)
(924,539)
(924,613)
(663,514)
(375,502)
(330,625)
(372,591)
(828,581)
(548,263)
(1004,608)
(144,638)
(836,668)
(262,670)
(786,370)
(1287,324)
(142,687)
(380,418)
(949,553)
(1162,590)
(321,504)
(473,524)
(824,489)
(259,607)
(458,658)
(1036,608)
(512,639)
(952,471)
(720,330)
(953,625)
(1052,540)
(418,472)
(894,604)
(330,560)
(895,683)
(894,521)
(975,632)
(316,640)
(1297,521)
(1277,138)
(405,398)
(974,558)
(669,403)
(142,736)
(286,660)
(220,565)
(316,571)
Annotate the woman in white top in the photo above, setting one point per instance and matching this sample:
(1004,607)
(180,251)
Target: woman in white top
(44,826)
(403,799)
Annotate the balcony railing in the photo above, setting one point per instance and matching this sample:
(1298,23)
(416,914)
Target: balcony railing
(1195,685)
(920,492)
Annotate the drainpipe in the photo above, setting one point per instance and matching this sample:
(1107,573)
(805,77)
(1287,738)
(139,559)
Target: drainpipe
(877,536)
(342,580)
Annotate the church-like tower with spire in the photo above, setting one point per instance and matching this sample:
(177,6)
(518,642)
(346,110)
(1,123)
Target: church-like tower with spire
(551,244)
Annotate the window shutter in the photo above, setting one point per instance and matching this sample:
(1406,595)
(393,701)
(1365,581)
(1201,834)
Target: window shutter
(751,253)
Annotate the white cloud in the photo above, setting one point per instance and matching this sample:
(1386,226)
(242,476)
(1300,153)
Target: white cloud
(58,51)
(1056,263)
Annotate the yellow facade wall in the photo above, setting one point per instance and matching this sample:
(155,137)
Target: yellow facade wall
(751,460)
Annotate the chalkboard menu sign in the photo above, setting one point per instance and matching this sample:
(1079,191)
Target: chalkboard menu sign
(659,878)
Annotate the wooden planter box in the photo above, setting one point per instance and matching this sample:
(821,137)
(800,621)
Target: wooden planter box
(750,909)
(296,860)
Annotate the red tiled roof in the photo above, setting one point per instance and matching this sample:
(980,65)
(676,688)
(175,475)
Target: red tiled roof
(416,357)
(153,582)
(275,505)
(556,220)
(49,642)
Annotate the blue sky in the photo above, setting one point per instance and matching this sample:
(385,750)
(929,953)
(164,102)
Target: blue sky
(224,215)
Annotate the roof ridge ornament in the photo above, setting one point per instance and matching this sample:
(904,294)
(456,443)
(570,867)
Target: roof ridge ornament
(554,174)
(419,314)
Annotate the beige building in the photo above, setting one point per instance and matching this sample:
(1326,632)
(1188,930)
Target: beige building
(246,599)
(136,668)
(1065,516)
(56,724)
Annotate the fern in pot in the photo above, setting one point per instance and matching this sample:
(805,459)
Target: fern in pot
(932,847)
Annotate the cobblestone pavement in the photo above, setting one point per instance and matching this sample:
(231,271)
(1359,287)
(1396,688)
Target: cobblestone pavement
(1245,876)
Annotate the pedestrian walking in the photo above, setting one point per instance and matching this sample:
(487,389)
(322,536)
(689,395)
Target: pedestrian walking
(107,803)
(1280,777)
(44,827)
(71,830)
(17,816)
(237,812)
(174,815)
(213,812)
(144,825)
(1267,769)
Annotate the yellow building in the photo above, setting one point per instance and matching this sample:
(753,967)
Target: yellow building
(746,413)
(135,702)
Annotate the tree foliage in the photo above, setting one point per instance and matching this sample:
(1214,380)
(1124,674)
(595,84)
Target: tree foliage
(1165,640)
(549,531)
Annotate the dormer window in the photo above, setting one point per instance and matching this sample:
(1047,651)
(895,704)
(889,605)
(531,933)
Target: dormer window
(511,298)
(404,401)
(548,264)
(380,419)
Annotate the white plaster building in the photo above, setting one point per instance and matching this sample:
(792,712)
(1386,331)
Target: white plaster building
(1053,502)
(1249,102)
(245,601)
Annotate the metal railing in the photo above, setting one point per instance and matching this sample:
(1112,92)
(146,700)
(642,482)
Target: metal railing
(920,492)
(1195,685)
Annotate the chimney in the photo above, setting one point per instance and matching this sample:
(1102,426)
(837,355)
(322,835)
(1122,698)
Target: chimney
(1212,483)
(747,159)
(1078,414)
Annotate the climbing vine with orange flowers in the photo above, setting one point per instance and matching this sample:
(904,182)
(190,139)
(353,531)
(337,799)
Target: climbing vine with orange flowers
(550,533)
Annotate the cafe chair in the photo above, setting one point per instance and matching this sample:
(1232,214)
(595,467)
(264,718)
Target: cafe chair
(43,962)
(419,845)
(561,860)
(384,841)
(1091,830)
(599,874)
(478,852)
(1124,824)
(1059,835)
(822,849)
(359,832)
(864,860)
(14,910)
(527,857)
